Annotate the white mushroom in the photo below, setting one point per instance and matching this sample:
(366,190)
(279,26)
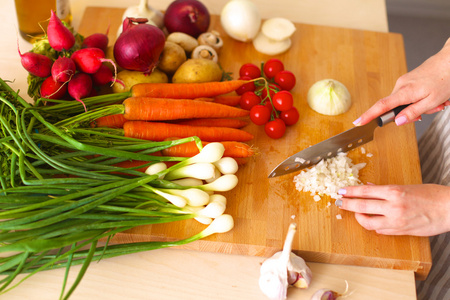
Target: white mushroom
(205,52)
(187,42)
(212,39)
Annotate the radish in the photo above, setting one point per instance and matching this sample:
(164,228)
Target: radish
(59,36)
(51,89)
(89,60)
(36,64)
(80,86)
(96,40)
(63,69)
(104,75)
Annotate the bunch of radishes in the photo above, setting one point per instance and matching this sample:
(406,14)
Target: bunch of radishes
(69,67)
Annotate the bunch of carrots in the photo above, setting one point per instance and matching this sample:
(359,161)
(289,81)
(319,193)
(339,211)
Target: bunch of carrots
(165,111)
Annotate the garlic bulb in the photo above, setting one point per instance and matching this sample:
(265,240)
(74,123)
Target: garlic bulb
(143,10)
(329,97)
(241,20)
(284,269)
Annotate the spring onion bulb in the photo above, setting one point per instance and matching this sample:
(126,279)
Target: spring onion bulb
(221,224)
(156,168)
(198,170)
(213,210)
(329,97)
(174,199)
(226,165)
(188,181)
(224,183)
(218,198)
(193,196)
(210,153)
(217,174)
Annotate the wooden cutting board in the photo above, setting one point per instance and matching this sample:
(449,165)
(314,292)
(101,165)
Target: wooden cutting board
(368,63)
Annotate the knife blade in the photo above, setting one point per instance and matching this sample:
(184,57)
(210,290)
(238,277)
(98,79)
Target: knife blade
(329,148)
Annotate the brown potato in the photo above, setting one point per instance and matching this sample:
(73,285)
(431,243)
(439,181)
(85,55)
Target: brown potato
(130,78)
(171,58)
(197,70)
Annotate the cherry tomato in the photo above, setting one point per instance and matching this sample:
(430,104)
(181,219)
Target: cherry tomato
(283,100)
(275,129)
(272,67)
(273,88)
(285,79)
(290,117)
(250,70)
(246,87)
(259,114)
(248,100)
(269,105)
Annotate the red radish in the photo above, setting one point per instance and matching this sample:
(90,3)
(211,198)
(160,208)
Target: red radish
(89,60)
(59,36)
(104,75)
(51,89)
(139,45)
(36,64)
(80,86)
(96,40)
(188,16)
(63,69)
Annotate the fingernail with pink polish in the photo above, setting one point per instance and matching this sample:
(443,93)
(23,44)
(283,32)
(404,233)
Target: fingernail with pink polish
(357,121)
(401,120)
(342,191)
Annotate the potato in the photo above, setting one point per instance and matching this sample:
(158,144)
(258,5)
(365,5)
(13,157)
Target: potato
(130,78)
(110,55)
(197,70)
(171,58)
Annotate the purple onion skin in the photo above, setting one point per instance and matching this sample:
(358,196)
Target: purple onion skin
(187,16)
(139,46)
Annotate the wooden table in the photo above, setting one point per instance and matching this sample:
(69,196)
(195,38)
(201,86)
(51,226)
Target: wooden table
(174,273)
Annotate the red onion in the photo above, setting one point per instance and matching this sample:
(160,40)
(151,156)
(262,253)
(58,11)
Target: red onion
(139,45)
(187,16)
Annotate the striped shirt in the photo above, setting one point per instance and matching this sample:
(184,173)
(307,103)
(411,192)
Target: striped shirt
(434,150)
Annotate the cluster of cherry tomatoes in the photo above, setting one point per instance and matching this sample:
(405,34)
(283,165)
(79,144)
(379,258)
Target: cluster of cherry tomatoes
(269,100)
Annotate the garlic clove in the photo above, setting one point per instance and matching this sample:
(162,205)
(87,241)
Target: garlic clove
(298,267)
(278,29)
(268,46)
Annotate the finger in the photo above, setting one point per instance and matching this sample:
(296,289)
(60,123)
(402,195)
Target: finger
(380,107)
(435,110)
(364,206)
(371,222)
(368,191)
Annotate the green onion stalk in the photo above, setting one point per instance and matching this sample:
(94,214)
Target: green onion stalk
(63,192)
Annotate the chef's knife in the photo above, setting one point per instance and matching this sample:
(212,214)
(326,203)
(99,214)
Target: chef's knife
(342,142)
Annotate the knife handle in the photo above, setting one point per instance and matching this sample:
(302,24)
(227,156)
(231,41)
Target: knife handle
(390,115)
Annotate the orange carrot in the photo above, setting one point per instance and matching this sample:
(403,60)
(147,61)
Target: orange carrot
(215,122)
(232,149)
(156,131)
(186,90)
(151,109)
(110,121)
(227,100)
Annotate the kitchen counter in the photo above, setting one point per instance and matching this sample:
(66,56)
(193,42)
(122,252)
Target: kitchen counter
(186,274)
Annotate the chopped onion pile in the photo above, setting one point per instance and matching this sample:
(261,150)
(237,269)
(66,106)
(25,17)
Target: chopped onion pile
(328,176)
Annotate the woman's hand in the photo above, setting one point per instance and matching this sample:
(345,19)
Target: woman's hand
(427,88)
(421,210)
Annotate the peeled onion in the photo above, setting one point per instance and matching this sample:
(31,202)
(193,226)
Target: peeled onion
(139,45)
(187,16)
(241,20)
(329,97)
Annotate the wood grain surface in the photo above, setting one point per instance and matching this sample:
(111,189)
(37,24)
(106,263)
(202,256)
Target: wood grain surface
(368,63)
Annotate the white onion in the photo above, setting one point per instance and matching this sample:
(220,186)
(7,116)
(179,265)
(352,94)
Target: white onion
(328,176)
(329,97)
(241,20)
